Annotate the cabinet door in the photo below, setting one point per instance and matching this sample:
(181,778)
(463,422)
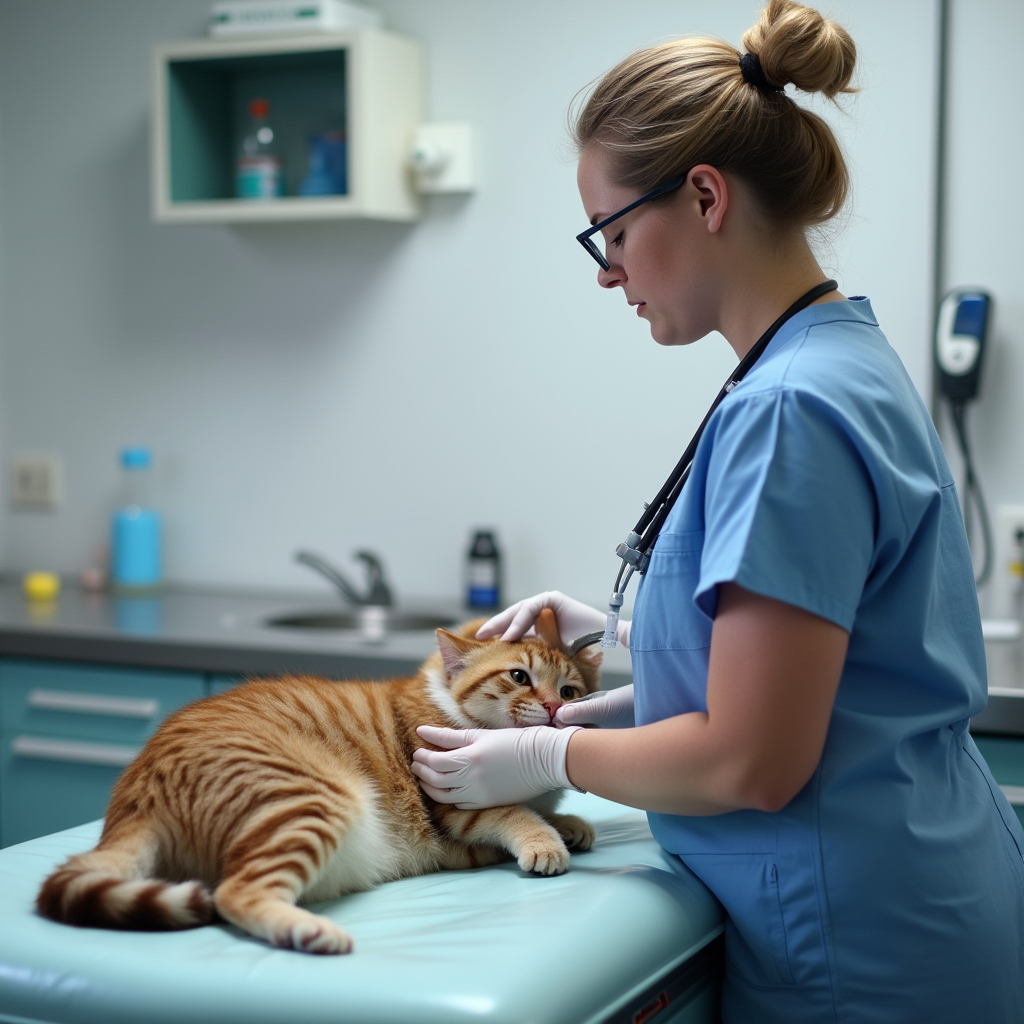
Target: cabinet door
(1005,757)
(221,683)
(67,733)
(49,784)
(91,702)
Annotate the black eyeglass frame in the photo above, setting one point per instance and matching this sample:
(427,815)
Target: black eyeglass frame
(584,237)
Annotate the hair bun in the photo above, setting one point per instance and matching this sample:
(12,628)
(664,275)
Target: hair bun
(796,44)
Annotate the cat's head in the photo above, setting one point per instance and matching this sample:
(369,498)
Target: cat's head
(492,684)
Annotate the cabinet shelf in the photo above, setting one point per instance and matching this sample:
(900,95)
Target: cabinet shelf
(365,83)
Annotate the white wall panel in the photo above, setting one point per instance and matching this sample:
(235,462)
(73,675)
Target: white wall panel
(985,232)
(339,385)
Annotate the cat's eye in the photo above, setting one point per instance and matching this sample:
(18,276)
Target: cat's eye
(520,677)
(567,693)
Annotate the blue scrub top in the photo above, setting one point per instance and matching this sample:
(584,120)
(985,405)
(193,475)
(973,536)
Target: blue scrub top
(891,888)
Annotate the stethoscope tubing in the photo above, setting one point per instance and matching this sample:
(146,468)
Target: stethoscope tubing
(635,550)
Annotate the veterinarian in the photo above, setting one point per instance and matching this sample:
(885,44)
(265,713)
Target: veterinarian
(806,641)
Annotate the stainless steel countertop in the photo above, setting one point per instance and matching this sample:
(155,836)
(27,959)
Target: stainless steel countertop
(225,631)
(211,630)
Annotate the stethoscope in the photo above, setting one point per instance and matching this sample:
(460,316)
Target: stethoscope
(635,550)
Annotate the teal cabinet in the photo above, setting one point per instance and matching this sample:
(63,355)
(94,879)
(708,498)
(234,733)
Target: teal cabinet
(67,731)
(221,683)
(47,787)
(1005,757)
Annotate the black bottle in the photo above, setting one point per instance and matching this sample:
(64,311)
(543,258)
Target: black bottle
(483,571)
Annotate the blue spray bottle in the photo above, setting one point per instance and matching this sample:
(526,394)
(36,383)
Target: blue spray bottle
(135,528)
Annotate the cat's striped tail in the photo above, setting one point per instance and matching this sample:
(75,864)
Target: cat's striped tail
(108,888)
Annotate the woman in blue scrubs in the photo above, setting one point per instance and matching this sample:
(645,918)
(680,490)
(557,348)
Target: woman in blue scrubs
(806,641)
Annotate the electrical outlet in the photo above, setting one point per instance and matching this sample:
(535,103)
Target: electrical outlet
(36,481)
(1006,554)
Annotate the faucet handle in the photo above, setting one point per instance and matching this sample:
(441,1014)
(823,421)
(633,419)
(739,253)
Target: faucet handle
(328,571)
(380,593)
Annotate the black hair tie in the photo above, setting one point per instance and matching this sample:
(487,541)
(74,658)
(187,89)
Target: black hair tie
(750,66)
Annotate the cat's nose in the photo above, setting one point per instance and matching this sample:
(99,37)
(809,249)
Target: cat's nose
(551,707)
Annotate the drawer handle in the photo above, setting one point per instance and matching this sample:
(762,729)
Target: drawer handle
(114,755)
(93,704)
(1015,794)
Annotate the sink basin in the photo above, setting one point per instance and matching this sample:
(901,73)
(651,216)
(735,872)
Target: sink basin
(372,622)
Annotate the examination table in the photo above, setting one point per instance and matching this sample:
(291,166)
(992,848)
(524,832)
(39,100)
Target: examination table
(627,935)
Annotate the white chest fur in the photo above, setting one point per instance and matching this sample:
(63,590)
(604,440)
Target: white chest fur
(372,851)
(441,698)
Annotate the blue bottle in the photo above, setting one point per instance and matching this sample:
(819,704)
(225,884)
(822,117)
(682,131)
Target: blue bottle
(318,180)
(135,528)
(327,174)
(483,572)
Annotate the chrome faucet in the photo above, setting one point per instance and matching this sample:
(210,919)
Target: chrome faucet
(379,593)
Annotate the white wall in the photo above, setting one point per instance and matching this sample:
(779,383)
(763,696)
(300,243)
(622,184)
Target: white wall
(356,384)
(985,231)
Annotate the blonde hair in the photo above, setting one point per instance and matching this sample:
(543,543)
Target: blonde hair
(665,109)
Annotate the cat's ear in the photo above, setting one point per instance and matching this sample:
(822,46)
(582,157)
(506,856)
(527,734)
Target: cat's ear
(454,650)
(546,628)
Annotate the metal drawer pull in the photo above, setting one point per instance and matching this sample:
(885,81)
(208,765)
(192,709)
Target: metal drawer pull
(1015,794)
(78,753)
(93,704)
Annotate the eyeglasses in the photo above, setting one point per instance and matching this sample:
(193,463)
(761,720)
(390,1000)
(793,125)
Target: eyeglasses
(594,242)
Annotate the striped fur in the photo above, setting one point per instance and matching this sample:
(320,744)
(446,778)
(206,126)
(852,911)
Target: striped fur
(298,789)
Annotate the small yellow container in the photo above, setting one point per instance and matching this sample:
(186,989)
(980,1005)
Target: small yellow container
(41,586)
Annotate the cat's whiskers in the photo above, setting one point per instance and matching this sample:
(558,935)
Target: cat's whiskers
(531,716)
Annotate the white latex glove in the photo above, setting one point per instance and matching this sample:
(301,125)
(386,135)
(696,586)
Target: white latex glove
(574,619)
(491,767)
(610,709)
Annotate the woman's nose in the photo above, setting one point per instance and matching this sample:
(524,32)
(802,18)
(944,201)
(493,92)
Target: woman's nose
(612,277)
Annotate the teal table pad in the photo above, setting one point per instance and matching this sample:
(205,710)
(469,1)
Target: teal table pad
(490,945)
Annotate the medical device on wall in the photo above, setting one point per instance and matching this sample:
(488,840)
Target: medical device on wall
(961,334)
(960,343)
(443,158)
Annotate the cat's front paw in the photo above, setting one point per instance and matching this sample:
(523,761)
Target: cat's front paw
(576,833)
(544,859)
(314,934)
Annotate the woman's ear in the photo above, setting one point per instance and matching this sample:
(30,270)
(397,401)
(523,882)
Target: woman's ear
(712,194)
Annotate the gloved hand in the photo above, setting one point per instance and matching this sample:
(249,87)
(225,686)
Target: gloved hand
(610,709)
(491,767)
(574,619)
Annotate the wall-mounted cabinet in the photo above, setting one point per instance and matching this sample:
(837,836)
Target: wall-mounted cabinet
(362,86)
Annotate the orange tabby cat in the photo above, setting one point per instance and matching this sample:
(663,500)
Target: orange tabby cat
(299,789)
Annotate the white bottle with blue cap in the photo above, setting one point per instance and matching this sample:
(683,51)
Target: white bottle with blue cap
(135,528)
